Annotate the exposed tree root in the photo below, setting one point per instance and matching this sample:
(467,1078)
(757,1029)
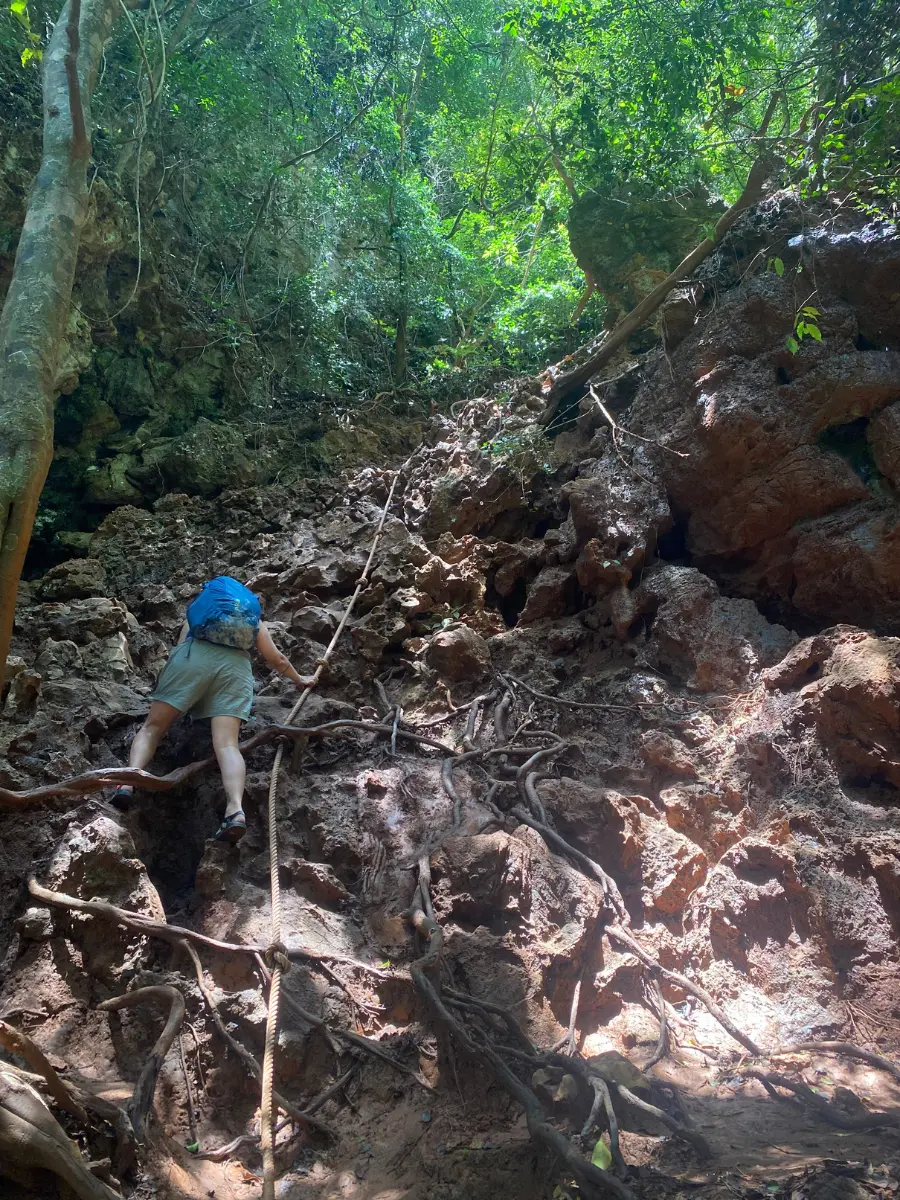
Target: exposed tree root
(589,1177)
(138,1107)
(176,934)
(244,1054)
(355,1039)
(591,869)
(565,703)
(695,1139)
(662,1046)
(846,1048)
(20,1043)
(602,1097)
(687,985)
(825,1108)
(31,1137)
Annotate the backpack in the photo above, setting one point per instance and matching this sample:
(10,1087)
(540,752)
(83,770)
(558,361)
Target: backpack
(225,613)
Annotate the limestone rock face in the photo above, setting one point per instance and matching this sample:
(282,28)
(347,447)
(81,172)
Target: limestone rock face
(786,492)
(78,578)
(709,640)
(846,683)
(459,654)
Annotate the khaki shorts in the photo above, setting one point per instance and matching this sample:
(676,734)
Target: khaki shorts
(205,680)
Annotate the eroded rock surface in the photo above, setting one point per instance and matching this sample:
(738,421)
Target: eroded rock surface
(736,775)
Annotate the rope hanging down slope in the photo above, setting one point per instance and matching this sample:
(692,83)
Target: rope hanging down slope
(276,955)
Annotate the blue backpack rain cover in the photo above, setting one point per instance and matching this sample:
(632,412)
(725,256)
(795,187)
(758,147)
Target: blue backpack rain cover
(226,613)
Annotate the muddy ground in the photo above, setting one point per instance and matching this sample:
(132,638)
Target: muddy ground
(696,627)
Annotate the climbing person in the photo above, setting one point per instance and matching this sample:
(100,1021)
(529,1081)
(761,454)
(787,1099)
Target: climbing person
(208,674)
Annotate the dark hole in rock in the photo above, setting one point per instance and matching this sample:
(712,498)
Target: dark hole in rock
(642,626)
(851,443)
(170,830)
(517,523)
(863,343)
(783,376)
(565,416)
(509,606)
(814,670)
(672,545)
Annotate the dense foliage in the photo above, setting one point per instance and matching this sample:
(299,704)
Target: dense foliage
(371,197)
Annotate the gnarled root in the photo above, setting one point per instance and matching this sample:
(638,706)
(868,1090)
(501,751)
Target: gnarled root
(590,1178)
(32,1138)
(142,1098)
(833,1115)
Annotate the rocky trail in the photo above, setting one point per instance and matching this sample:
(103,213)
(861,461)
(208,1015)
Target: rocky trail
(589,831)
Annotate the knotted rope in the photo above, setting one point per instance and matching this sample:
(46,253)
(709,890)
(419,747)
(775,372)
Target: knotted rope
(276,953)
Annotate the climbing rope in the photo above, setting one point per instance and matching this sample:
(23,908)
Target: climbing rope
(276,955)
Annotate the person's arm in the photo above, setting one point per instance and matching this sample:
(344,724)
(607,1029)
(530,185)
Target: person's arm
(276,660)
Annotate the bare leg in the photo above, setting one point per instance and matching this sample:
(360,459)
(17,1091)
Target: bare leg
(159,720)
(225,734)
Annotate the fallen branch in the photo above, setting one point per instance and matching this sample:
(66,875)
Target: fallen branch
(566,382)
(138,1107)
(617,428)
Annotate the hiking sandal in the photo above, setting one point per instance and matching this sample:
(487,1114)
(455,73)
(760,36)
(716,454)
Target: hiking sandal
(121,799)
(232,828)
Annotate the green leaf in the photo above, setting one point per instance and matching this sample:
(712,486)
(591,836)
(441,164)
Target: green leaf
(801,329)
(18,8)
(29,54)
(778,264)
(814,331)
(792,344)
(601,1156)
(809,311)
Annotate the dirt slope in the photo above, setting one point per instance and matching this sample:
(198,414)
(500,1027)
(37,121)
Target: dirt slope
(610,602)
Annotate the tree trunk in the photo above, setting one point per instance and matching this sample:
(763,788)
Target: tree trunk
(33,322)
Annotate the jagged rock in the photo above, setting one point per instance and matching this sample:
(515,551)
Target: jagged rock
(551,595)
(15,664)
(846,683)
(780,488)
(458,654)
(709,640)
(711,818)
(451,583)
(660,750)
(884,437)
(35,924)
(108,658)
(23,693)
(617,516)
(81,621)
(314,622)
(159,604)
(58,659)
(671,867)
(317,880)
(79,578)
(100,859)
